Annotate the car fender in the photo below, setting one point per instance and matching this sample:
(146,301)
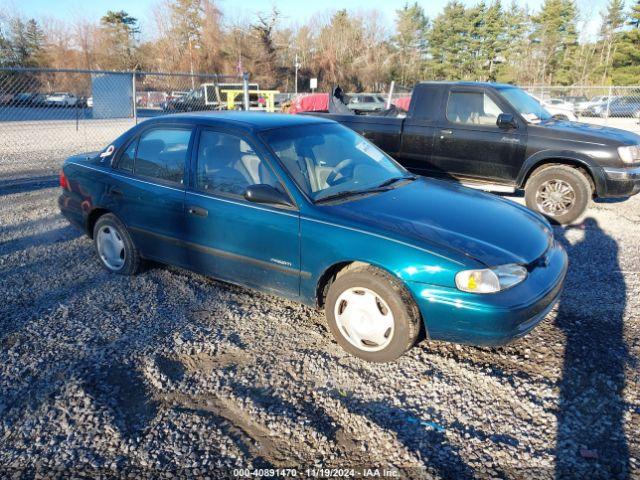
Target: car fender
(558,156)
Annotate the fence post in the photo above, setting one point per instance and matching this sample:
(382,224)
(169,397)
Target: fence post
(245,90)
(133,97)
(393,84)
(606,115)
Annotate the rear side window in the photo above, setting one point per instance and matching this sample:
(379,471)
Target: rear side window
(126,159)
(162,154)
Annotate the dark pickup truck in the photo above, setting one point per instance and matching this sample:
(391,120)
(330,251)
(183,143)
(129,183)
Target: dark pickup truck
(498,138)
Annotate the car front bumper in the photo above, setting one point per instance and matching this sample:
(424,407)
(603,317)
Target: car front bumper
(493,319)
(622,182)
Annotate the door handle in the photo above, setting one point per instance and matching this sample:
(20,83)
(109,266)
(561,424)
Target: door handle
(116,192)
(197,211)
(445,133)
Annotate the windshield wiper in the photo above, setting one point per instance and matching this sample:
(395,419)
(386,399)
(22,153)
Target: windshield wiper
(393,180)
(345,194)
(383,187)
(352,193)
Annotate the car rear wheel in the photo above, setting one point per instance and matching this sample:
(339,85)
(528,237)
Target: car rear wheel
(371,314)
(561,193)
(114,246)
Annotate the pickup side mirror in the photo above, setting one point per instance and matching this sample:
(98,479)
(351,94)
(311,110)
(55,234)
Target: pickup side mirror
(506,121)
(262,193)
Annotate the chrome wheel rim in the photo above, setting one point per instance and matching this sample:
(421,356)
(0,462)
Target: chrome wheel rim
(364,319)
(555,197)
(111,247)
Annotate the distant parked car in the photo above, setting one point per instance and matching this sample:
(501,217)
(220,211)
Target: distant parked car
(558,110)
(192,101)
(585,108)
(617,107)
(366,102)
(22,99)
(6,98)
(560,103)
(62,99)
(39,99)
(575,99)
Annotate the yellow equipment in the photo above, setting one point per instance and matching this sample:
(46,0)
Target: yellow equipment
(268,95)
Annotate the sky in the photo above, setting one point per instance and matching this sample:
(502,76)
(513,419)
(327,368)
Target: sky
(294,11)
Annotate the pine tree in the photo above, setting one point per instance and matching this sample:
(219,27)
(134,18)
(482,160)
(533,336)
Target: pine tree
(448,42)
(514,62)
(493,36)
(119,42)
(612,21)
(556,37)
(410,43)
(626,59)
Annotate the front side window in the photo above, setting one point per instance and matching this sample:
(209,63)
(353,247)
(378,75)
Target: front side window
(227,164)
(162,153)
(327,160)
(528,106)
(472,108)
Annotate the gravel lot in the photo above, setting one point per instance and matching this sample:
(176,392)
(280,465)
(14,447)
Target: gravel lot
(170,370)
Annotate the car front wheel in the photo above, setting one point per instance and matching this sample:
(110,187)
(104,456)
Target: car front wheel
(114,246)
(371,314)
(560,192)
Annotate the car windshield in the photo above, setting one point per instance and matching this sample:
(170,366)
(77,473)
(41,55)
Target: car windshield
(329,161)
(526,105)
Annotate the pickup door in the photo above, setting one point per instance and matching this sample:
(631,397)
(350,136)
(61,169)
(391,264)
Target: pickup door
(469,144)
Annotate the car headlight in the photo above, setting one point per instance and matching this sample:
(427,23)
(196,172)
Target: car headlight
(629,154)
(490,280)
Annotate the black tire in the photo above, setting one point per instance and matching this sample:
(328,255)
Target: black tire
(129,254)
(406,316)
(540,181)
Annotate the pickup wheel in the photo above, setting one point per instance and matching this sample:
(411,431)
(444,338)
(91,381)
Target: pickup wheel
(114,246)
(561,193)
(371,314)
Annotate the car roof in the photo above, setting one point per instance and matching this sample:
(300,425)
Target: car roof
(468,84)
(250,121)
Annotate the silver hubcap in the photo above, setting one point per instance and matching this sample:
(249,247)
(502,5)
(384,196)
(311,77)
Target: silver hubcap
(364,319)
(111,247)
(555,197)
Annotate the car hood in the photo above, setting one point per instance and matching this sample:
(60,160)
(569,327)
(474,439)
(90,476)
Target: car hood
(563,129)
(429,212)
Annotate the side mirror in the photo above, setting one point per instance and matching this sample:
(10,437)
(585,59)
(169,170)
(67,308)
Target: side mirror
(266,194)
(506,121)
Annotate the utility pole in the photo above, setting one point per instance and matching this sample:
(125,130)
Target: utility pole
(297,66)
(193,83)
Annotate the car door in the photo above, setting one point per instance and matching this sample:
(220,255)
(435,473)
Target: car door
(229,237)
(469,143)
(148,191)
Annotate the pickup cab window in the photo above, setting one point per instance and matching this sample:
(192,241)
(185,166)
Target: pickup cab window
(472,108)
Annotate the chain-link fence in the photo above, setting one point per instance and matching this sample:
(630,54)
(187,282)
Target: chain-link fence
(604,105)
(46,113)
(79,110)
